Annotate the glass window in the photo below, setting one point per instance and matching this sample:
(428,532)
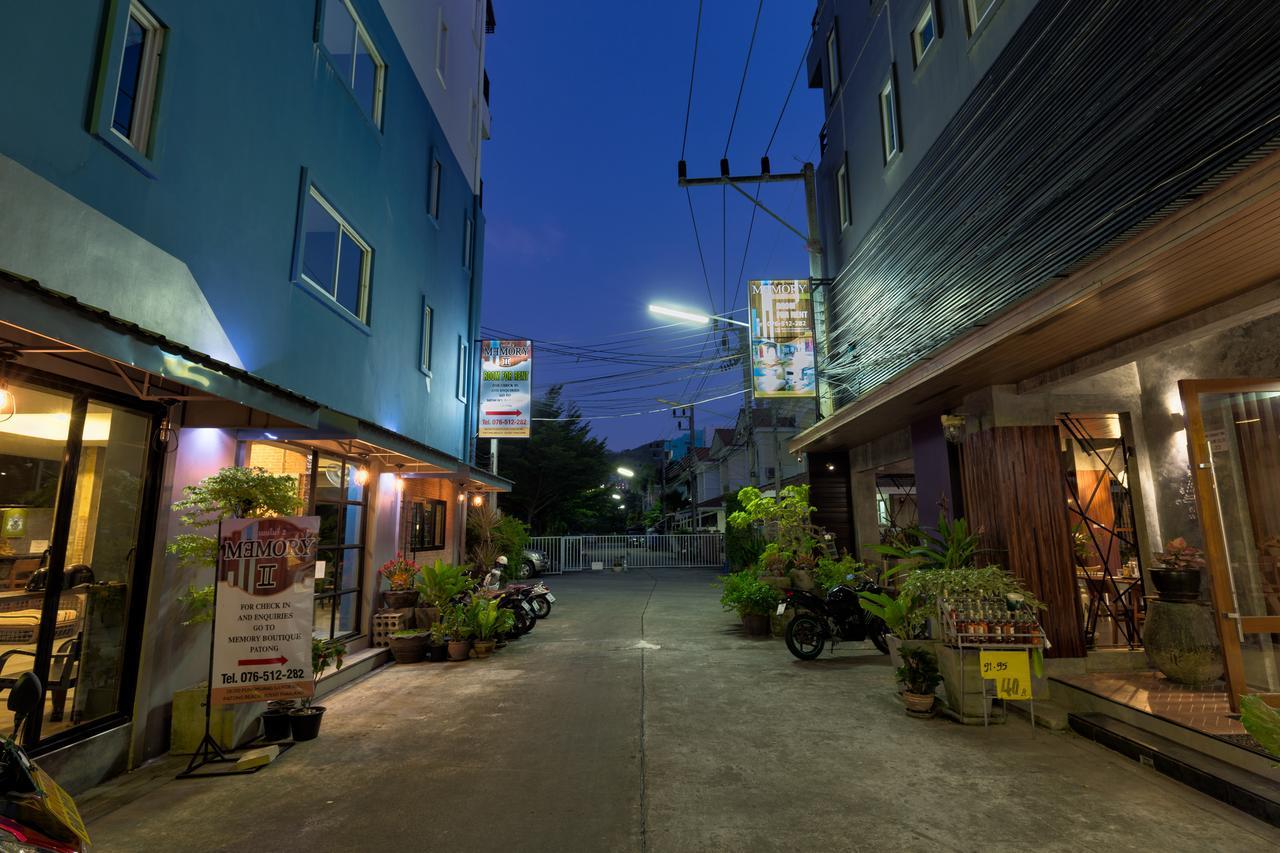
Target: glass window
(427,525)
(468,242)
(426,339)
(842,195)
(442,47)
(433,192)
(464,356)
(282,459)
(334,258)
(978,11)
(925,33)
(340,501)
(889,119)
(136,86)
(354,56)
(833,59)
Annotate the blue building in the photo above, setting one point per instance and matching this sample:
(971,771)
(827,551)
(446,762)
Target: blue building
(230,234)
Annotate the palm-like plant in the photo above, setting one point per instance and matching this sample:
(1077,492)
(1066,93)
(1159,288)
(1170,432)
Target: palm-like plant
(440,582)
(954,546)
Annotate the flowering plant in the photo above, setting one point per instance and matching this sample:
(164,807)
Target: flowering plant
(1177,554)
(399,572)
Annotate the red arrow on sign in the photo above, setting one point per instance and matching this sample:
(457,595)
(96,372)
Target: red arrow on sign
(504,413)
(263,661)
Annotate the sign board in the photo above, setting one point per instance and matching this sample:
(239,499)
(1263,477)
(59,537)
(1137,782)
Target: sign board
(505,393)
(1010,670)
(782,345)
(265,587)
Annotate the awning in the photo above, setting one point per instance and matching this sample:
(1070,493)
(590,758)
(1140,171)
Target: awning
(1225,246)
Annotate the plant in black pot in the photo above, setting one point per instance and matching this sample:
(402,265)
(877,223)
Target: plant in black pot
(1176,574)
(400,574)
(305,721)
(919,678)
(275,720)
(438,648)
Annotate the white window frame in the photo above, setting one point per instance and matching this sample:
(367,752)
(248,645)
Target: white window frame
(442,46)
(366,258)
(144,100)
(433,192)
(842,196)
(890,131)
(919,49)
(833,58)
(971,13)
(468,242)
(380,74)
(464,358)
(424,355)
(473,130)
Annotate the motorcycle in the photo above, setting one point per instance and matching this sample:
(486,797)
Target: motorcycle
(36,814)
(541,599)
(836,616)
(516,600)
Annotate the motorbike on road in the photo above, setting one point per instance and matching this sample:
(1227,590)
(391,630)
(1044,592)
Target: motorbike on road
(831,618)
(36,814)
(541,599)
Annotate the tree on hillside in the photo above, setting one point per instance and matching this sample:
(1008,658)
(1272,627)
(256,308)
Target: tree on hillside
(557,472)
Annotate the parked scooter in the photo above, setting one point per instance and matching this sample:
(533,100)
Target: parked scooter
(836,616)
(36,814)
(516,601)
(541,599)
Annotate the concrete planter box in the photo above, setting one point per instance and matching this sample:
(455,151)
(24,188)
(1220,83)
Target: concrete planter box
(969,707)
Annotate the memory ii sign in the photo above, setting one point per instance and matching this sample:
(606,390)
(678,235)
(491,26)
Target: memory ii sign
(505,397)
(265,589)
(782,351)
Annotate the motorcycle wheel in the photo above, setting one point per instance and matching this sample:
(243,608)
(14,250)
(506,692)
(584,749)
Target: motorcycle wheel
(876,632)
(541,607)
(524,622)
(806,637)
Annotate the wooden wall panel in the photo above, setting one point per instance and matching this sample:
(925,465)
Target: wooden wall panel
(831,497)
(1015,494)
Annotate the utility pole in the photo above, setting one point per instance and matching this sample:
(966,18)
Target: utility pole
(493,469)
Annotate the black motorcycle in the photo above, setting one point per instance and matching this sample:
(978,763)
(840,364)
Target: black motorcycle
(837,616)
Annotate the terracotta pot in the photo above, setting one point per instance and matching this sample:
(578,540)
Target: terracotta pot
(918,703)
(483,648)
(398,599)
(409,649)
(459,649)
(756,624)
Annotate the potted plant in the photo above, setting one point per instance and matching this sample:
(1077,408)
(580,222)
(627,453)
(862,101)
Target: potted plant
(410,644)
(901,613)
(457,625)
(488,619)
(400,574)
(438,650)
(275,720)
(751,598)
(304,722)
(919,678)
(438,584)
(1176,574)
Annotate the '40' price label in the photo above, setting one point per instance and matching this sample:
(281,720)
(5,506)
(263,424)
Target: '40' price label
(1010,670)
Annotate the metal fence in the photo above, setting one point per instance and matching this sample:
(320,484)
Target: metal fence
(639,551)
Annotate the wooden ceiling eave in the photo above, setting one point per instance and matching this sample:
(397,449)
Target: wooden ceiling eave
(1225,244)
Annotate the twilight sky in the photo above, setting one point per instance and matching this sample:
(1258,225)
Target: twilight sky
(586,225)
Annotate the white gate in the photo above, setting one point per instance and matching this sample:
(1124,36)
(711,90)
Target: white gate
(641,550)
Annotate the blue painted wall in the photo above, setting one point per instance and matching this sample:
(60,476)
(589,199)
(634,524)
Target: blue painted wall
(248,102)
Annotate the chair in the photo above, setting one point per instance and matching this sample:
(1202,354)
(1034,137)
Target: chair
(64,672)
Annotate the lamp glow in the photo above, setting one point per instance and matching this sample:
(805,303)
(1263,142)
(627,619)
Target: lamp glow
(626,472)
(362,476)
(617,497)
(477,500)
(399,484)
(679,315)
(8,402)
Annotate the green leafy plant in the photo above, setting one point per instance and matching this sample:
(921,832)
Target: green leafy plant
(786,521)
(1178,555)
(324,654)
(438,633)
(742,544)
(830,572)
(440,582)
(410,633)
(1262,722)
(457,622)
(982,582)
(901,614)
(746,594)
(919,671)
(954,546)
(230,493)
(489,618)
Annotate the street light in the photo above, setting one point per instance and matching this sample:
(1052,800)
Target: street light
(626,472)
(701,319)
(617,497)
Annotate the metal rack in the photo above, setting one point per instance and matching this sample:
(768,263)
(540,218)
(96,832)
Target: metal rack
(961,640)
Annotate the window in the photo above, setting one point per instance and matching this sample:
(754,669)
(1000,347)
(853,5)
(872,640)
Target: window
(354,56)
(427,525)
(889,119)
(442,46)
(468,242)
(924,34)
(842,195)
(473,131)
(977,11)
(134,106)
(334,489)
(464,357)
(433,191)
(425,353)
(334,258)
(833,59)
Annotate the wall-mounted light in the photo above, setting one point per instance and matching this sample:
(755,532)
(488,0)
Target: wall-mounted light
(400,484)
(8,400)
(362,475)
(477,500)
(831,466)
(953,428)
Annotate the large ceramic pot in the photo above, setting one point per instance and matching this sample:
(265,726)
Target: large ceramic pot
(409,649)
(398,599)
(483,648)
(757,624)
(305,722)
(1181,639)
(1176,584)
(459,649)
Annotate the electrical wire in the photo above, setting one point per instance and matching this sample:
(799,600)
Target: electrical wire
(688,107)
(742,84)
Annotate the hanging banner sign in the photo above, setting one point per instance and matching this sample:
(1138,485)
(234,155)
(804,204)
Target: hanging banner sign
(782,350)
(505,391)
(265,589)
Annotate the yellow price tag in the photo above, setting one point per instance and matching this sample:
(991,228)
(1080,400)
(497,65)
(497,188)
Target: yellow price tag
(1011,672)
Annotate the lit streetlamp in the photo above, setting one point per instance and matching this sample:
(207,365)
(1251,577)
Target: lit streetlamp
(694,317)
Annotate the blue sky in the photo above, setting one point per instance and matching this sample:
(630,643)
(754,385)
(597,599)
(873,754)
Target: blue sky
(586,225)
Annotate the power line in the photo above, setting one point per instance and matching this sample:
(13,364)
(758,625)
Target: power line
(742,84)
(646,412)
(688,107)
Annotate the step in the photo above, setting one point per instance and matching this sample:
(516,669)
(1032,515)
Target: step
(1252,793)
